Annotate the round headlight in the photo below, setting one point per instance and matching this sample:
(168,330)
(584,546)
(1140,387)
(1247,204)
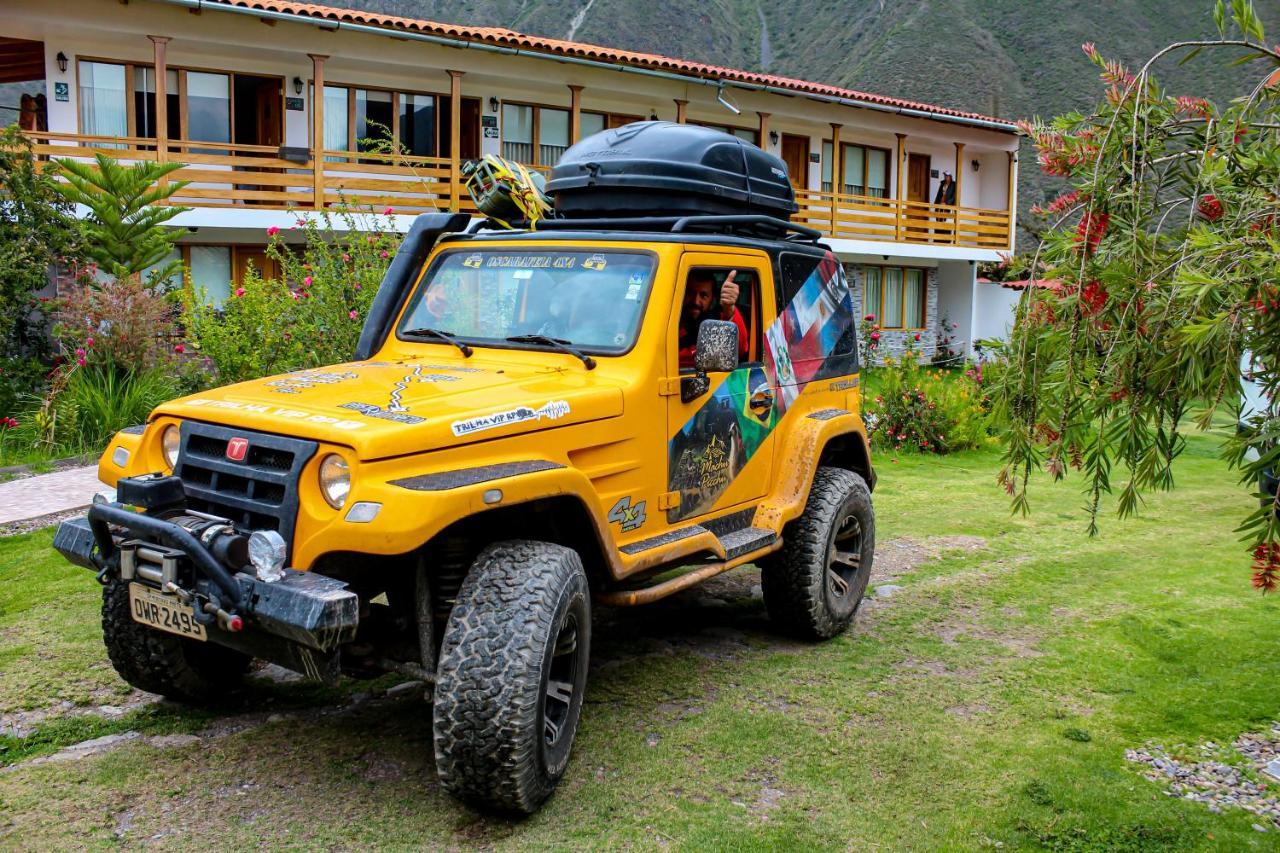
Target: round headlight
(170,441)
(335,480)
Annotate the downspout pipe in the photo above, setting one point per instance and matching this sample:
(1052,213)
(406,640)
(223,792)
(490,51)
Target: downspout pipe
(464,44)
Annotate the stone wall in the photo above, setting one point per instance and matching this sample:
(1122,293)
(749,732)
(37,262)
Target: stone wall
(893,343)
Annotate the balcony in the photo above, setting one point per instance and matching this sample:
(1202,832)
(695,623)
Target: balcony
(268,178)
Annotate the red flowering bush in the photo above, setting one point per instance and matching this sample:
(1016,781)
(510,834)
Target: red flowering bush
(1162,265)
(924,409)
(310,316)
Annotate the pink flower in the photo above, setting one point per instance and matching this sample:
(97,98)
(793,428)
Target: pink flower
(240,291)
(293,293)
(357,285)
(870,318)
(955,325)
(273,230)
(875,336)
(306,282)
(79,352)
(388,211)
(352,314)
(179,348)
(346,258)
(302,223)
(383,254)
(80,361)
(917,336)
(88,342)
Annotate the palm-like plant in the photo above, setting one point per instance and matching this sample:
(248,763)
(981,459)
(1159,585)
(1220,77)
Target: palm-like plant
(125,230)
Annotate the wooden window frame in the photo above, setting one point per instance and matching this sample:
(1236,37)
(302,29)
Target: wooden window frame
(888,159)
(537,108)
(902,297)
(606,115)
(754,131)
(131,112)
(395,110)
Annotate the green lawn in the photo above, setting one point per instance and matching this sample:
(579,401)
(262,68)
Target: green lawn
(986,704)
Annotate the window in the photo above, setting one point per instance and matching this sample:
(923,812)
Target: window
(746,306)
(362,119)
(208,106)
(210,271)
(743,133)
(592,299)
(104,109)
(144,102)
(865,170)
(592,123)
(534,135)
(816,312)
(896,296)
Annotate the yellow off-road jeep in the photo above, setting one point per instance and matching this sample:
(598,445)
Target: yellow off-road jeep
(516,440)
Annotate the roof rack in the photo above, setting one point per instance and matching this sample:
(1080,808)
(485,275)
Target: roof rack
(754,225)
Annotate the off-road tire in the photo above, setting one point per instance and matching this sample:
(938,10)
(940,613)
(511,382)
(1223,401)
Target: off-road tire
(492,699)
(186,670)
(799,591)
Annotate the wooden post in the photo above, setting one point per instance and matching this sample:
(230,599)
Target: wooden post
(455,139)
(160,45)
(901,175)
(1012,203)
(575,113)
(763,132)
(836,181)
(317,130)
(955,235)
(680,110)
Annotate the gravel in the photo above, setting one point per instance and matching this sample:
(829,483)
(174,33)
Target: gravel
(1220,777)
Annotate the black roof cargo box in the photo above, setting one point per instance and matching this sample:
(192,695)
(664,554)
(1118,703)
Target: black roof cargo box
(659,168)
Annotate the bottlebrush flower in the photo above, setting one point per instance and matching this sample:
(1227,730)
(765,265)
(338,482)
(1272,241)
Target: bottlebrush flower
(1091,229)
(1266,566)
(1210,207)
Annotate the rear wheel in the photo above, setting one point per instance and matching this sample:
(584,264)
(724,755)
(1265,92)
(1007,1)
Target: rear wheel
(186,670)
(813,586)
(512,671)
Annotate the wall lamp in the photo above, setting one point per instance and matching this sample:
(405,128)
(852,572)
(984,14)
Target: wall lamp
(62,62)
(493,105)
(975,164)
(297,85)
(773,137)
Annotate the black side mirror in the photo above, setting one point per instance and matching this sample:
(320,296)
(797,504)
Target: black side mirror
(716,352)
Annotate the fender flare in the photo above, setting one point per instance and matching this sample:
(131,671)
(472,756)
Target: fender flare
(823,437)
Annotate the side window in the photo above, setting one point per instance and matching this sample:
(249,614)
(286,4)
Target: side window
(812,289)
(702,299)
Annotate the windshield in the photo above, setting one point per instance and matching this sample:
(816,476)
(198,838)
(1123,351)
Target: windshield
(592,300)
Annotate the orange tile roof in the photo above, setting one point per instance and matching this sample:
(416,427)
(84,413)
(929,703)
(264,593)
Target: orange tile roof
(556,47)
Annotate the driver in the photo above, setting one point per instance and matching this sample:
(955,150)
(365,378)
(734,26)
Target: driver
(699,296)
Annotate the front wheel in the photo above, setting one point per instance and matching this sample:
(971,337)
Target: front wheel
(512,671)
(813,586)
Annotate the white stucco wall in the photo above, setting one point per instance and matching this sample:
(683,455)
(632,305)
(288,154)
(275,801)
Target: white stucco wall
(994,308)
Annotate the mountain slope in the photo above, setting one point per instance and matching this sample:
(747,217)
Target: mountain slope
(1012,58)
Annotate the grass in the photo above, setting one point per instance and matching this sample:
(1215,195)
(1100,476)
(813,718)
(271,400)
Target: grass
(987,703)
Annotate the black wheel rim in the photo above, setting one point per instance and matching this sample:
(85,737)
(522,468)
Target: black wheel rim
(844,559)
(562,681)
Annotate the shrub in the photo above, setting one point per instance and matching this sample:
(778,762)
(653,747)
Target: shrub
(120,324)
(311,316)
(88,404)
(927,410)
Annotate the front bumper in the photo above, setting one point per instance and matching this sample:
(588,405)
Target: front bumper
(299,622)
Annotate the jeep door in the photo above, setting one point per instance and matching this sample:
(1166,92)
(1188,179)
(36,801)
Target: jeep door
(720,448)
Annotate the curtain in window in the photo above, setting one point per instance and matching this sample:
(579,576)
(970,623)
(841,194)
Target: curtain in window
(871,290)
(853,168)
(877,174)
(827,158)
(211,273)
(892,318)
(591,123)
(103,104)
(208,107)
(373,119)
(517,133)
(553,135)
(335,120)
(913,300)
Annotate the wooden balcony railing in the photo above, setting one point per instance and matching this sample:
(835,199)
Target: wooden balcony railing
(254,176)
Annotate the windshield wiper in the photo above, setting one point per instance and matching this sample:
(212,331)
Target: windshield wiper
(559,344)
(444,336)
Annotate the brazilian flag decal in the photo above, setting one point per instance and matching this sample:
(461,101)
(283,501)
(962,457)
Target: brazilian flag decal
(755,426)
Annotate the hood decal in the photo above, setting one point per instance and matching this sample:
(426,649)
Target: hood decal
(552,411)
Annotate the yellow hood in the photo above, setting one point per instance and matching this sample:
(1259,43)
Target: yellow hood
(408,405)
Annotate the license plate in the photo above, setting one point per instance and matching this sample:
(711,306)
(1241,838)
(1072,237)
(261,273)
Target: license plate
(154,608)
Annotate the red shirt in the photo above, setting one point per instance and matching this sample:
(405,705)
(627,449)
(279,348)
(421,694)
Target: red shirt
(744,345)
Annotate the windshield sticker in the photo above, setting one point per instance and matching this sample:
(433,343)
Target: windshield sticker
(552,411)
(595,262)
(295,383)
(633,291)
(372,411)
(275,412)
(473,261)
(528,262)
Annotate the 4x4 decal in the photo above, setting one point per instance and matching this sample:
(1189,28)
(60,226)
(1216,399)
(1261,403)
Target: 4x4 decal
(628,515)
(713,446)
